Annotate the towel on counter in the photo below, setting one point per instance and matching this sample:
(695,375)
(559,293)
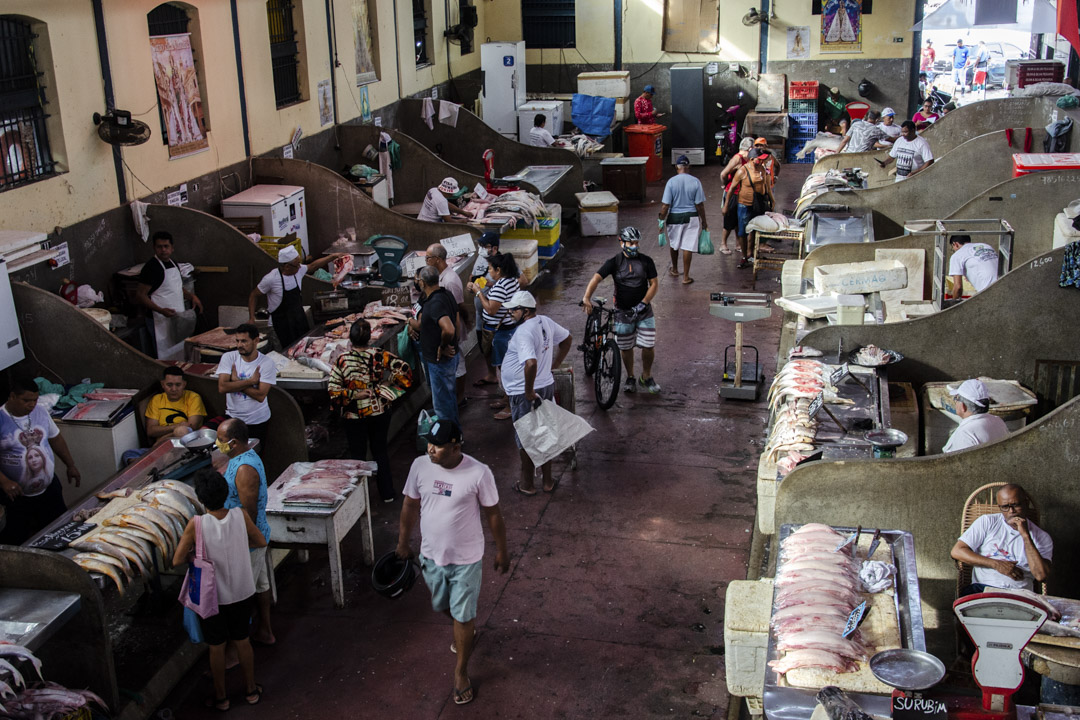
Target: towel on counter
(448,112)
(138,214)
(385,166)
(427,111)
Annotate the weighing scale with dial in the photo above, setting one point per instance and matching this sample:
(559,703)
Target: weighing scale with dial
(1000,625)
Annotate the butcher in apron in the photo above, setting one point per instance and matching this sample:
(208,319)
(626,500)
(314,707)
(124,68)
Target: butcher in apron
(281,287)
(161,290)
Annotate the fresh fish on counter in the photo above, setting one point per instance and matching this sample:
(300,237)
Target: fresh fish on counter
(121,493)
(18,651)
(342,267)
(16,676)
(872,356)
(803,351)
(49,701)
(811,658)
(302,494)
(182,488)
(103,564)
(95,546)
(6,691)
(821,640)
(145,528)
(845,595)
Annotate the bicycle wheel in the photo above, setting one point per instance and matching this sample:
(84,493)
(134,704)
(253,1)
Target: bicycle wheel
(590,346)
(608,375)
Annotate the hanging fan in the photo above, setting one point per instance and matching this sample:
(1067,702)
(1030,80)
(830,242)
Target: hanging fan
(753,18)
(117,128)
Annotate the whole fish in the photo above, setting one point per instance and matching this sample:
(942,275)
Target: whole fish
(169,525)
(171,498)
(104,548)
(12,650)
(121,493)
(6,690)
(153,533)
(812,658)
(104,568)
(185,490)
(141,554)
(16,676)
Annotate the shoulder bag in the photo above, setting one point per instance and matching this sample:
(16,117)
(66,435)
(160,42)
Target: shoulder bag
(199,592)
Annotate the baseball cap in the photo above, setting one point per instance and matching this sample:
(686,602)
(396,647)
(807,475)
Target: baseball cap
(448,185)
(973,390)
(682,160)
(761,142)
(887,112)
(287,254)
(521,299)
(649,89)
(443,432)
(490,237)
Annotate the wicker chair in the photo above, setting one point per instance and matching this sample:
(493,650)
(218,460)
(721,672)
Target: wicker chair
(984,502)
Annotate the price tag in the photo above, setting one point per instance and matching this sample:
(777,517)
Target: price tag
(854,619)
(815,405)
(839,373)
(295,142)
(411,263)
(59,538)
(917,708)
(459,245)
(286,152)
(396,297)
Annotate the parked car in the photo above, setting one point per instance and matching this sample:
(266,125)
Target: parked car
(1000,52)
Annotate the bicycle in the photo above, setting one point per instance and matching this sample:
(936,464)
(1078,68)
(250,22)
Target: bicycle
(601,354)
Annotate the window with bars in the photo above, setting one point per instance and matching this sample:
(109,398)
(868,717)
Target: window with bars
(24,141)
(284,52)
(420,32)
(548,23)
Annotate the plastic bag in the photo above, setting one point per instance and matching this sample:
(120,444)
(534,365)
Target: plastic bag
(661,239)
(405,348)
(193,626)
(705,246)
(548,431)
(423,426)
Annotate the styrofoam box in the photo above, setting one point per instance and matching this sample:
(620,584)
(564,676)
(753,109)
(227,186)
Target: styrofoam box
(850,309)
(621,107)
(860,277)
(791,278)
(607,83)
(595,224)
(747,605)
(696,155)
(766,501)
(526,254)
(1064,232)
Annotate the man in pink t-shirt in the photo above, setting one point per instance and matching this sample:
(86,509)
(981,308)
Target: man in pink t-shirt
(447,490)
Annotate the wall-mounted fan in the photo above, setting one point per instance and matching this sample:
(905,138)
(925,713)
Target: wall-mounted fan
(118,128)
(754,17)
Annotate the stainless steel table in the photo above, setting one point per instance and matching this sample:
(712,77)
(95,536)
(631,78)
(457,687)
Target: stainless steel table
(30,617)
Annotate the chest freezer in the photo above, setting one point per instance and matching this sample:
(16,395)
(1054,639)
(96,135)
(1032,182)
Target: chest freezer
(550,109)
(281,208)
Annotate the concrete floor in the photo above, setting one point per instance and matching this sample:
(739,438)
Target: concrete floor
(614,603)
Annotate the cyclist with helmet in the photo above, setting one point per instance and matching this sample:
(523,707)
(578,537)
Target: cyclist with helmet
(635,281)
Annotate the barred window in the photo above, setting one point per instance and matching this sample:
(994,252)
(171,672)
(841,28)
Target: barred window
(284,52)
(548,23)
(420,32)
(24,141)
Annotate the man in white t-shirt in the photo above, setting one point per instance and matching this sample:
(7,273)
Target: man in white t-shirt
(888,125)
(1006,549)
(281,288)
(436,207)
(451,282)
(978,262)
(538,346)
(538,135)
(449,491)
(910,151)
(977,426)
(244,377)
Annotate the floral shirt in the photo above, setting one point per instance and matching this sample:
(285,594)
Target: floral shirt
(358,371)
(643,111)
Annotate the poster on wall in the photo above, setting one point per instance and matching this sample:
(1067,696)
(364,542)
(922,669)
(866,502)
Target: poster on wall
(841,26)
(798,42)
(365,106)
(365,61)
(178,94)
(326,103)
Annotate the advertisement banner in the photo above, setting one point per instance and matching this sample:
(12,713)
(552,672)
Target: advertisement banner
(178,94)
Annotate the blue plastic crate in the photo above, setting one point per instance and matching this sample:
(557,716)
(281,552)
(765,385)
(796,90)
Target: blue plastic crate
(794,147)
(802,106)
(806,119)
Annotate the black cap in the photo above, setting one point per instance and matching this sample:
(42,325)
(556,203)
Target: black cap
(443,432)
(490,237)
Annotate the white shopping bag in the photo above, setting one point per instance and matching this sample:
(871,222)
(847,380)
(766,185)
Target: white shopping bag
(548,431)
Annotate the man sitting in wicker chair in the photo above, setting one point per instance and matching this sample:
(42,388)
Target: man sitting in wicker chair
(1006,549)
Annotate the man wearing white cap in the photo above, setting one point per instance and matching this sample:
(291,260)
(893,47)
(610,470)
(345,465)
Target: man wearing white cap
(436,207)
(281,287)
(538,346)
(977,426)
(889,126)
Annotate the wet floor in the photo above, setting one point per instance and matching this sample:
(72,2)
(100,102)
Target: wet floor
(614,603)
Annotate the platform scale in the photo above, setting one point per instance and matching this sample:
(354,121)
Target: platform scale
(741,381)
(1000,625)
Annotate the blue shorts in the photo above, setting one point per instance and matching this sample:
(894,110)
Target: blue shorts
(453,587)
(744,218)
(500,340)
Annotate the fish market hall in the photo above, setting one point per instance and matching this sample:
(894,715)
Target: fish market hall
(555,362)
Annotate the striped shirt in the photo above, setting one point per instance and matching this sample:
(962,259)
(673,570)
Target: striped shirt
(357,371)
(500,292)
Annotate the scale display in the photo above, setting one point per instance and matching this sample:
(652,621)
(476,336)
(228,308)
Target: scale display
(1001,611)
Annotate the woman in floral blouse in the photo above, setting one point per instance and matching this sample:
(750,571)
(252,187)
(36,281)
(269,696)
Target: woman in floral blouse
(363,386)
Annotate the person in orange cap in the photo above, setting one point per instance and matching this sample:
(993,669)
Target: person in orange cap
(770,163)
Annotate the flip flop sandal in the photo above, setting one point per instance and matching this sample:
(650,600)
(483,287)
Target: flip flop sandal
(673,272)
(257,695)
(518,489)
(219,704)
(459,695)
(687,282)
(725,251)
(497,404)
(553,486)
(453,646)
(502,415)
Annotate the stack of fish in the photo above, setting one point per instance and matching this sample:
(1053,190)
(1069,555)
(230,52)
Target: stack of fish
(322,483)
(582,145)
(519,207)
(44,700)
(126,541)
(793,430)
(816,589)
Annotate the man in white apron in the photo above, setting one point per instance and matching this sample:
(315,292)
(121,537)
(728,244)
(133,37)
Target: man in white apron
(161,290)
(284,302)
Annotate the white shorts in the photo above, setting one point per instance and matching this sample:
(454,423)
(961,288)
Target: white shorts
(260,569)
(461,369)
(684,236)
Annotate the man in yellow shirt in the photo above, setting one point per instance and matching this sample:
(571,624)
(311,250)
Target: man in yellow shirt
(175,412)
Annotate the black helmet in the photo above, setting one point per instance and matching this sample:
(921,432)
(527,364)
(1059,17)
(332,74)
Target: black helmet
(629,234)
(392,576)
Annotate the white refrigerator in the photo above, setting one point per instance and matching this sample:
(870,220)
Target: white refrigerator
(502,67)
(281,207)
(11,347)
(550,109)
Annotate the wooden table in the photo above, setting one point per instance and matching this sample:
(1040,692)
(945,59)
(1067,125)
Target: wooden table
(297,527)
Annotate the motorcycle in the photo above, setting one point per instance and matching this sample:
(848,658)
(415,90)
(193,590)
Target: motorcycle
(727,136)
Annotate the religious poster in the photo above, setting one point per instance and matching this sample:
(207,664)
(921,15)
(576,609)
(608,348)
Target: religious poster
(365,105)
(841,26)
(326,103)
(178,94)
(365,59)
(798,42)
